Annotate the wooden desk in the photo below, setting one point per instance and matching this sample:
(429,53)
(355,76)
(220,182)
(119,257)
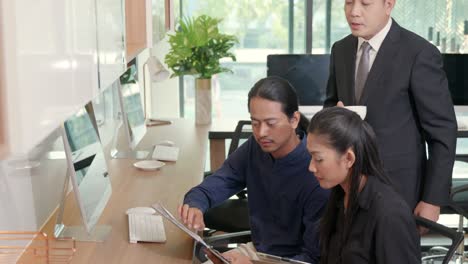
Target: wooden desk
(132,187)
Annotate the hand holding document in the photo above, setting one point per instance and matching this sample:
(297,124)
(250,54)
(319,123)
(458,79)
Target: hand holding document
(263,258)
(166,214)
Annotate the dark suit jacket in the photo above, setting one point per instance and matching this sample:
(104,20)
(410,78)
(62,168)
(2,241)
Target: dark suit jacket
(408,104)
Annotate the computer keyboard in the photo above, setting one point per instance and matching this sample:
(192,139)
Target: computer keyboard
(146,227)
(165,153)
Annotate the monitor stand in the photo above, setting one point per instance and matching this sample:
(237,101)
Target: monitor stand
(157,122)
(126,152)
(79,233)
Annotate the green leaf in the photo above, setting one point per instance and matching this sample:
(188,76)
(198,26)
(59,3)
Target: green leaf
(197,46)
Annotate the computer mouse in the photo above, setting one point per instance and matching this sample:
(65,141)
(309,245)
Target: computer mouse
(167,143)
(141,210)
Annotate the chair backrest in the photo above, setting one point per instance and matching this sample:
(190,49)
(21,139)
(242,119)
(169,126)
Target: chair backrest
(455,236)
(232,215)
(458,195)
(238,134)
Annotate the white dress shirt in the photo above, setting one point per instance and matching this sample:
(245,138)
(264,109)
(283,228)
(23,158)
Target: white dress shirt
(375,42)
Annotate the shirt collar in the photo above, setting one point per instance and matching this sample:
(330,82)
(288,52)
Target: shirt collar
(367,193)
(376,41)
(299,151)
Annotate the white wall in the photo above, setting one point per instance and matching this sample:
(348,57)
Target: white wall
(50,67)
(110,41)
(50,71)
(31,185)
(165,98)
(49,58)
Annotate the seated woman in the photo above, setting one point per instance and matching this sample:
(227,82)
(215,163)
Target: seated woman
(365,221)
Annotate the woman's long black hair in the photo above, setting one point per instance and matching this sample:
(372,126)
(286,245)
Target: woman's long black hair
(344,129)
(277,89)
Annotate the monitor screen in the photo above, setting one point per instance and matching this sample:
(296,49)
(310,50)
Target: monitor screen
(456,68)
(87,167)
(132,109)
(308,73)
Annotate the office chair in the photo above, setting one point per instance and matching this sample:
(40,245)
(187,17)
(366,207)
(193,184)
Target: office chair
(232,215)
(458,205)
(455,236)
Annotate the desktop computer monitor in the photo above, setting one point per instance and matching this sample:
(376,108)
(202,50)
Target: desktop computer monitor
(87,171)
(133,119)
(456,69)
(308,73)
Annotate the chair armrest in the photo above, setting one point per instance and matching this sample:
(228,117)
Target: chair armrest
(457,209)
(455,236)
(456,190)
(220,240)
(229,238)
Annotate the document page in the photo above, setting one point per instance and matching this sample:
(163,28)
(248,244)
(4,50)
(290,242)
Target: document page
(267,258)
(165,213)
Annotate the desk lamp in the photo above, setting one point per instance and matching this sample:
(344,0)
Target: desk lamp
(157,73)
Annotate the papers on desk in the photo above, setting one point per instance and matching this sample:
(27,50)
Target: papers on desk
(165,213)
(309,110)
(462,122)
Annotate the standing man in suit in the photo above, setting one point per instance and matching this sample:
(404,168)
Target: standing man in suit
(399,77)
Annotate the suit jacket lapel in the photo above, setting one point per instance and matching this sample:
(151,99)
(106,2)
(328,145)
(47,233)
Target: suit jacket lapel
(350,69)
(382,62)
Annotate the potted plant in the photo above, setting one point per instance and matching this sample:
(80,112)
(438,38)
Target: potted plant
(195,49)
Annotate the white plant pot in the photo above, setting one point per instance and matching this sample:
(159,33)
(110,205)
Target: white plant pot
(203,102)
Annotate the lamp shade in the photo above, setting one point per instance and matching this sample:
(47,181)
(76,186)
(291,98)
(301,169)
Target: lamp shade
(156,70)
